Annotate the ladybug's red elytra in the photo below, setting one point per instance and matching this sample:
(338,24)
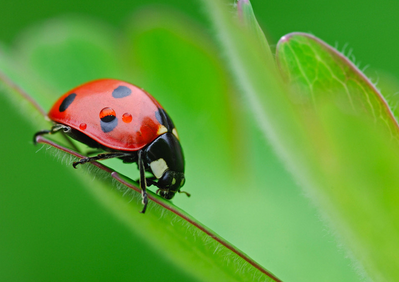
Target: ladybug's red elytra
(127,123)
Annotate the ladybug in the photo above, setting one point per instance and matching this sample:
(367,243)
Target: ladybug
(127,123)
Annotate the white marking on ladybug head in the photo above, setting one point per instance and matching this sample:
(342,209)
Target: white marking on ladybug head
(162,129)
(158,167)
(174,131)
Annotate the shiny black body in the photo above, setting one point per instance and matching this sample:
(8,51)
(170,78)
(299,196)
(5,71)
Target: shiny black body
(167,147)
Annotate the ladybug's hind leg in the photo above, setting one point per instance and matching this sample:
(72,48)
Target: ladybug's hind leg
(99,157)
(105,156)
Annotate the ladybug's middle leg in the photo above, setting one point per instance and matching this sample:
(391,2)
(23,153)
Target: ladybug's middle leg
(151,181)
(103,156)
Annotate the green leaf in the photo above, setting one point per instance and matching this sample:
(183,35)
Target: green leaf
(256,74)
(184,240)
(388,86)
(355,140)
(247,16)
(316,69)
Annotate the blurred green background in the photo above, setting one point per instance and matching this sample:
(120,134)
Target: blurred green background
(52,231)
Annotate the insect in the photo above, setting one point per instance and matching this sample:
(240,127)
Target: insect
(127,123)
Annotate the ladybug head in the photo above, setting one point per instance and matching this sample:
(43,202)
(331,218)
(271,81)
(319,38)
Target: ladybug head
(170,183)
(164,159)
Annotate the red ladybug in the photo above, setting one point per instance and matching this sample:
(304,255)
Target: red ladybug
(127,123)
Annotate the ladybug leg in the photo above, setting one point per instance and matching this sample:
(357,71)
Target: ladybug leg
(41,132)
(55,128)
(93,152)
(150,181)
(100,157)
(143,182)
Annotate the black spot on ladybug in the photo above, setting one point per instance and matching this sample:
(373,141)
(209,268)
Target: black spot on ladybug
(108,118)
(67,102)
(108,126)
(121,92)
(107,114)
(164,119)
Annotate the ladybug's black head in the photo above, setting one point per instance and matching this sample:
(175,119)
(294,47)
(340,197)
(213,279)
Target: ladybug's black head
(170,183)
(164,158)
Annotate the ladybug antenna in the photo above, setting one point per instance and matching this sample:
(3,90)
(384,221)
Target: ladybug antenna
(184,192)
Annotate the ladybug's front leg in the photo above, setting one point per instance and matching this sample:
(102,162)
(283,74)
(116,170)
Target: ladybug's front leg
(143,181)
(55,128)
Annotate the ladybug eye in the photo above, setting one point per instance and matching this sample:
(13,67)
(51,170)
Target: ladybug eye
(107,114)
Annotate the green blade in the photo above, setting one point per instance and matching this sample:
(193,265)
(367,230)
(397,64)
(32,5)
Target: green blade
(355,139)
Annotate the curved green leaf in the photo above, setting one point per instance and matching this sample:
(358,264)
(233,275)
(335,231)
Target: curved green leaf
(184,240)
(325,76)
(355,138)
